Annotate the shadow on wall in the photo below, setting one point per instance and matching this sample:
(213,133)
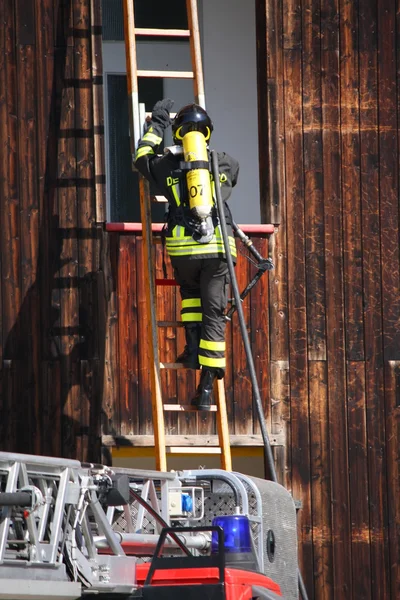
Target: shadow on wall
(52,374)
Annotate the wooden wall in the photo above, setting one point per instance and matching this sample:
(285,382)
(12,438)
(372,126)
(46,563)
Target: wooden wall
(329,108)
(129,417)
(53,284)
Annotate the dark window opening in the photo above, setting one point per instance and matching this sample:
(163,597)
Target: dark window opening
(123,180)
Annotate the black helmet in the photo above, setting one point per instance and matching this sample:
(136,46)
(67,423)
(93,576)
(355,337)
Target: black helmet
(191,118)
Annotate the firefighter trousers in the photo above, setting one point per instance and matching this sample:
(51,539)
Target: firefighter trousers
(203,286)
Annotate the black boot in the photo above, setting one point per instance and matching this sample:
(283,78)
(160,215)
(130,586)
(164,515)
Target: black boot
(189,357)
(204,393)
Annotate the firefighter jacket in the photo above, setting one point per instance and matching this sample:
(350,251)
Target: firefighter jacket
(165,173)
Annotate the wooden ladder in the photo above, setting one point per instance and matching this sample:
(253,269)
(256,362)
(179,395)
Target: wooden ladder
(136,123)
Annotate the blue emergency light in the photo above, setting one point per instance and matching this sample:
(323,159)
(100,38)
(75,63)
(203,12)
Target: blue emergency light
(236,534)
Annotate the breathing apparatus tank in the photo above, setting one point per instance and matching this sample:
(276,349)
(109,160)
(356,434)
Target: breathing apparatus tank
(192,127)
(198,182)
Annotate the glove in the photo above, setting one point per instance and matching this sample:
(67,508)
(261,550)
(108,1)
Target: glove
(160,114)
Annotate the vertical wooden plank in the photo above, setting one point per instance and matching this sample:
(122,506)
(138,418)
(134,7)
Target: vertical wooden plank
(90,413)
(280,421)
(389,177)
(70,399)
(29,315)
(9,198)
(4,40)
(372,279)
(85,196)
(271,96)
(358,467)
(242,390)
(320,483)
(48,257)
(145,410)
(276,212)
(51,408)
(9,394)
(350,152)
(341,535)
(230,366)
(313,180)
(98,110)
(65,295)
(298,366)
(259,336)
(262,103)
(127,334)
(392,401)
(94,390)
(108,305)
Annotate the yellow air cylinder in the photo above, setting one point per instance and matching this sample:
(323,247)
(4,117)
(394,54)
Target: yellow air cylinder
(198,179)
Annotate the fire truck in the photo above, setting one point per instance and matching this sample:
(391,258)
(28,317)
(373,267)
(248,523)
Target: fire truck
(70,530)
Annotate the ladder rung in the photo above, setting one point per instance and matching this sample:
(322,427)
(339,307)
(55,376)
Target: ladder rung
(186,408)
(171,74)
(170,324)
(162,32)
(172,366)
(172,115)
(193,450)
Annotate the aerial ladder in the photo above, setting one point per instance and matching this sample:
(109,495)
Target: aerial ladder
(137,118)
(71,530)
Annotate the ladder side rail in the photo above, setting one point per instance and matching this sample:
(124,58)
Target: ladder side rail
(195,49)
(101,520)
(163,510)
(36,556)
(59,510)
(141,510)
(89,538)
(222,426)
(165,485)
(148,266)
(131,71)
(45,516)
(11,486)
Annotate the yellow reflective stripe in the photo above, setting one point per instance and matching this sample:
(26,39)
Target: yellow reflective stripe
(212,362)
(152,137)
(198,249)
(214,346)
(144,150)
(175,194)
(185,241)
(192,316)
(190,302)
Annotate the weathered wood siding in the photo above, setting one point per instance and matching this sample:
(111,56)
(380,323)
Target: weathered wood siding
(130,414)
(53,285)
(329,108)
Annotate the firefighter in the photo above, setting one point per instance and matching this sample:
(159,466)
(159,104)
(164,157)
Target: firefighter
(193,238)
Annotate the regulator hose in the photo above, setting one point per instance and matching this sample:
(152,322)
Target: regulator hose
(269,459)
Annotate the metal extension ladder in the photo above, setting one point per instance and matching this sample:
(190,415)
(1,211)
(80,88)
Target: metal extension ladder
(137,116)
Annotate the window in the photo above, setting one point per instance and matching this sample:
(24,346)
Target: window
(229,65)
